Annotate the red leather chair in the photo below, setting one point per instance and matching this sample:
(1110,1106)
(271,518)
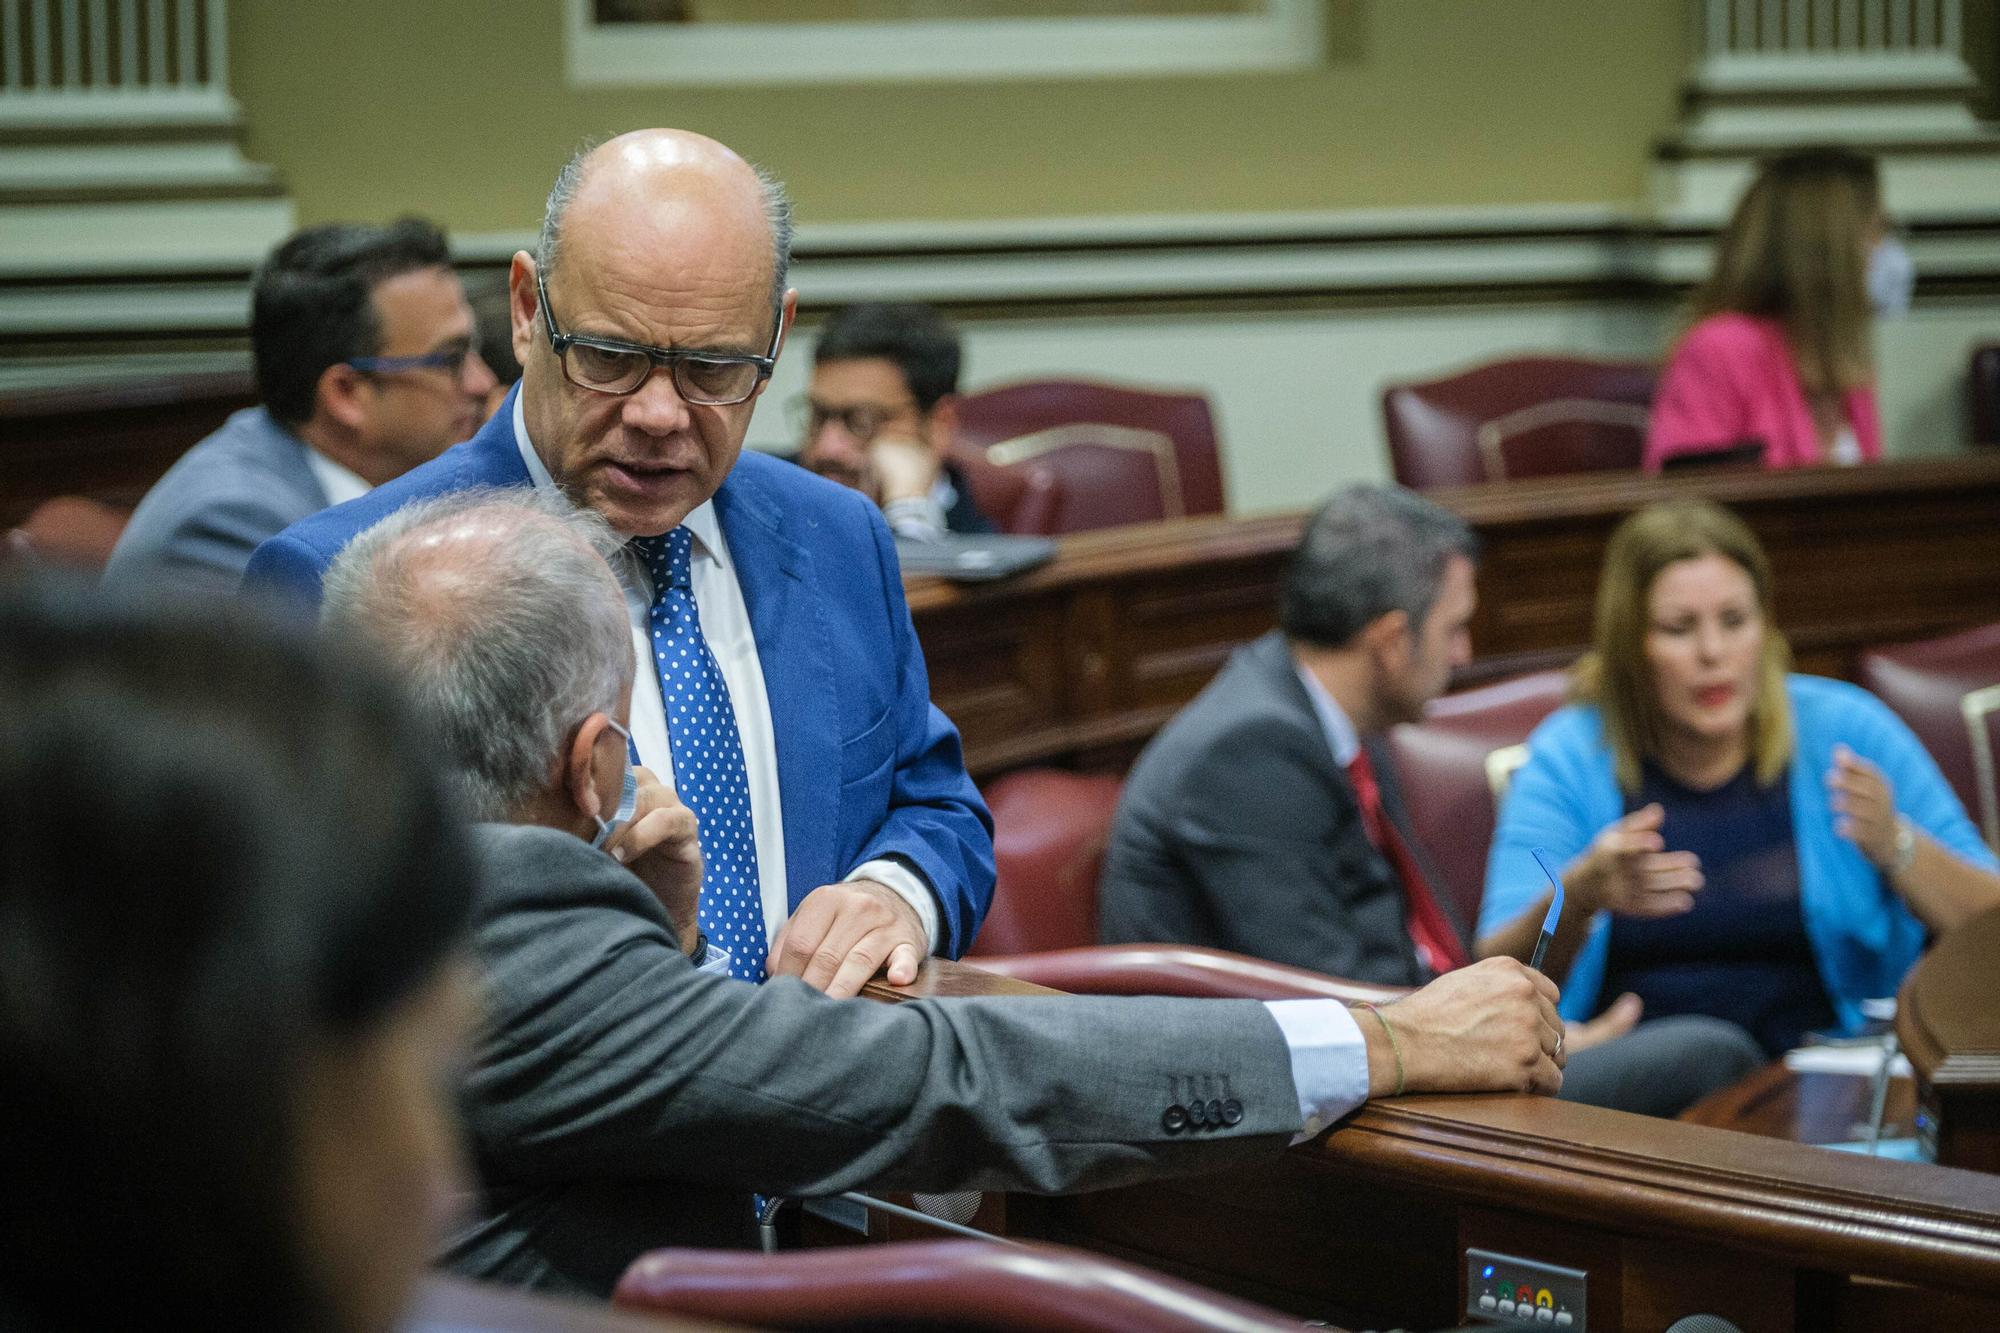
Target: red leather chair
(1529,417)
(1454,765)
(1096,455)
(1948,690)
(69,530)
(1049,831)
(957,1284)
(1177,969)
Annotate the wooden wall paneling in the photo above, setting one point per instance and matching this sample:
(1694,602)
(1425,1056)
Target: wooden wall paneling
(1861,556)
(109,442)
(1867,1305)
(1660,1282)
(1000,677)
(1369,1255)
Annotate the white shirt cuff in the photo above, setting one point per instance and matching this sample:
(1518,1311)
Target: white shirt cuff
(918,518)
(910,887)
(717,962)
(1329,1060)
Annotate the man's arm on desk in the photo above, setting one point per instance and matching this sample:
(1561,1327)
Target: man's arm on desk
(609,1057)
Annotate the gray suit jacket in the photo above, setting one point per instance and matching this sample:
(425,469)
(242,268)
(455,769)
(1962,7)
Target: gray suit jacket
(196,528)
(1238,831)
(621,1100)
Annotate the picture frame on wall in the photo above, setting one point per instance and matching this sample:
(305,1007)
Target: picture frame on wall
(690,43)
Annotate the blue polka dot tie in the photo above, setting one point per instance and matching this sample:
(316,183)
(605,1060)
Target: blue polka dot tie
(708,758)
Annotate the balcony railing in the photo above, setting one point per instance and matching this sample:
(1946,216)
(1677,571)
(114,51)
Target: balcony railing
(84,59)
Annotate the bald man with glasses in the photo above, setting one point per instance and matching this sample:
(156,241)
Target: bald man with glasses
(782,694)
(366,363)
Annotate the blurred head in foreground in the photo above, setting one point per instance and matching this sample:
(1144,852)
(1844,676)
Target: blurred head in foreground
(232,1001)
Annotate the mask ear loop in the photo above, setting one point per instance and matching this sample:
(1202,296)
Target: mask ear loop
(628,805)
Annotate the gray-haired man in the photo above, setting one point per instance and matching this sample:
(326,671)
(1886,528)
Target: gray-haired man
(624,1100)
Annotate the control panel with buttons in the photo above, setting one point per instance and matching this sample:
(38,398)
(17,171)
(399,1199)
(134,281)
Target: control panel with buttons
(1503,1290)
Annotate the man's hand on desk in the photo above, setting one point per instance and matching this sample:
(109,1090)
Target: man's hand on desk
(662,846)
(843,934)
(1491,1027)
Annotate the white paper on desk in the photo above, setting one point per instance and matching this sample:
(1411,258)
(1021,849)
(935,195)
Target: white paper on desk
(1863,1060)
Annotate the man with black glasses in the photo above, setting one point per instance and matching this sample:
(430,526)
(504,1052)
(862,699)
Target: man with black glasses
(880,414)
(785,691)
(366,366)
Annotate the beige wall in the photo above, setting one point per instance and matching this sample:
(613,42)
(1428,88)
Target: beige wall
(371,107)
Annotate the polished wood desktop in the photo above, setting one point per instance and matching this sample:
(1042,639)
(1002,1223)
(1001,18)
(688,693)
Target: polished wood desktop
(1367,1225)
(1081,661)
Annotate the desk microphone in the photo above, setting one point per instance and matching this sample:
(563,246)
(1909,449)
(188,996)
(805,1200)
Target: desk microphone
(1554,916)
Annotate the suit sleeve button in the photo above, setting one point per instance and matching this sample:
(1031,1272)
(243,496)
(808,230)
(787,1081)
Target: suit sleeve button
(1175,1120)
(1232,1112)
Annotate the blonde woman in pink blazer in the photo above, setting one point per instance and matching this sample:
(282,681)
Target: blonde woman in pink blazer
(1780,351)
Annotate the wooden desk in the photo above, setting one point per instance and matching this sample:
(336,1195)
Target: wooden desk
(1081,661)
(1367,1225)
(1950,1027)
(1776,1103)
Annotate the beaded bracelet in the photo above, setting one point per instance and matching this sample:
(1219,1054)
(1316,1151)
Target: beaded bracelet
(1395,1046)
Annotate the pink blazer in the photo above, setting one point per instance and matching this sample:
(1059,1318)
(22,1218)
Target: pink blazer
(1731,381)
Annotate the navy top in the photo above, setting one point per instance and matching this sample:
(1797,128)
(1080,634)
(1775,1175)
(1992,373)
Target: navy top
(1742,952)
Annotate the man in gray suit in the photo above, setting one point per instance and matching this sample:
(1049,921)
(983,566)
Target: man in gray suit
(627,1095)
(366,365)
(1265,818)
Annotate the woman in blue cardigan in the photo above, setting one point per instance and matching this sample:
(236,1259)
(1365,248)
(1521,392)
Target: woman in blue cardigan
(1736,840)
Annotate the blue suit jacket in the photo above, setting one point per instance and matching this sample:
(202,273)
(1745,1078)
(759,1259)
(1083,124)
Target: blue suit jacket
(199,524)
(867,767)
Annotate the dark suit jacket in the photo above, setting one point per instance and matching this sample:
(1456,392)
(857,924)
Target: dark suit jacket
(1238,831)
(867,767)
(621,1100)
(965,514)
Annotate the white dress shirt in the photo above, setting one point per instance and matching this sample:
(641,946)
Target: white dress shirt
(725,624)
(339,484)
(1341,737)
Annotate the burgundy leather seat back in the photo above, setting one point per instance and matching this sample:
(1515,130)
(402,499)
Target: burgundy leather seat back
(1049,832)
(1180,969)
(1527,417)
(1447,779)
(944,1284)
(1948,690)
(1098,455)
(69,530)
(1985,387)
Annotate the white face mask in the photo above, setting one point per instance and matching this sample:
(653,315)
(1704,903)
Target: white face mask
(628,795)
(1892,278)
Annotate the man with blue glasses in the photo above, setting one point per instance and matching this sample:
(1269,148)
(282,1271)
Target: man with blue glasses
(366,366)
(784,695)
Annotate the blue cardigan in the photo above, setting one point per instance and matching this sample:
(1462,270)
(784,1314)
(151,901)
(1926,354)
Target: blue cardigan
(1862,934)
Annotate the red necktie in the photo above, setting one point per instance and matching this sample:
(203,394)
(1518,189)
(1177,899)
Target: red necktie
(1438,945)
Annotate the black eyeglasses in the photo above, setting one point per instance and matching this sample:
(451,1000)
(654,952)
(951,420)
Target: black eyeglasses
(605,365)
(863,422)
(451,360)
